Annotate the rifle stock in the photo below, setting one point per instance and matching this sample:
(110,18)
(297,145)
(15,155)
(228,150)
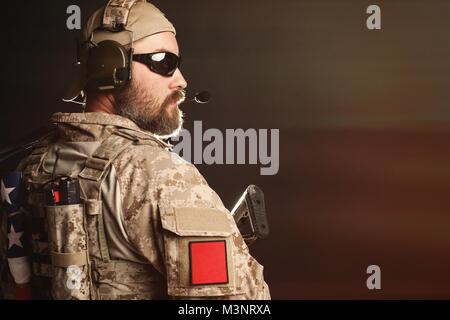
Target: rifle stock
(249,213)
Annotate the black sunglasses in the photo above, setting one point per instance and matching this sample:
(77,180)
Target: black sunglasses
(163,63)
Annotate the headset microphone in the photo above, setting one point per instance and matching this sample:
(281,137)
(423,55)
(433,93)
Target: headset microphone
(200,97)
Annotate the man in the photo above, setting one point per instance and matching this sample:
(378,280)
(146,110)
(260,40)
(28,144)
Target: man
(151,228)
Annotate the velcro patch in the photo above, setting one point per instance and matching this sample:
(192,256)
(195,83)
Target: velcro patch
(208,262)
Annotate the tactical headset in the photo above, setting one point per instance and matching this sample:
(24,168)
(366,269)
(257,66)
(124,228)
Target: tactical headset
(107,64)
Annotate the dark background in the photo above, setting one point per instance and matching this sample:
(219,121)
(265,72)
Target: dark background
(363,116)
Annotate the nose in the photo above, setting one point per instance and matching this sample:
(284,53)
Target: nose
(178,81)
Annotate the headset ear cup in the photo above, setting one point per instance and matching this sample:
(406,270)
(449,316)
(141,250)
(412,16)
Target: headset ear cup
(122,74)
(108,67)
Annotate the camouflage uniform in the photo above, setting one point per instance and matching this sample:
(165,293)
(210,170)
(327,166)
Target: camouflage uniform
(153,206)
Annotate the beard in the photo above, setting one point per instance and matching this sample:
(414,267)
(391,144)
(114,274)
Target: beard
(138,105)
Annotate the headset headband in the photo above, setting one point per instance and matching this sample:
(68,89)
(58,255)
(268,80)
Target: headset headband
(116,14)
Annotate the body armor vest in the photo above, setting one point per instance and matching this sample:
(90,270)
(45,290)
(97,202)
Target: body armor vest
(71,258)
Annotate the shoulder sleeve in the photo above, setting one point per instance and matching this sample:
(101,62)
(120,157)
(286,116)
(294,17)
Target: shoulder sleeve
(181,226)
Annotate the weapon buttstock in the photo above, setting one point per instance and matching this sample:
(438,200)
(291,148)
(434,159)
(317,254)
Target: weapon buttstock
(250,215)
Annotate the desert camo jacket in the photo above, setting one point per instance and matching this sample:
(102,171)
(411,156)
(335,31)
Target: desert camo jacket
(161,218)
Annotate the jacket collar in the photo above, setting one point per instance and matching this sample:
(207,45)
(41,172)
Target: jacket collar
(95,125)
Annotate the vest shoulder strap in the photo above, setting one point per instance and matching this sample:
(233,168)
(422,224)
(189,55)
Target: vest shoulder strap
(98,164)
(96,168)
(92,176)
(32,163)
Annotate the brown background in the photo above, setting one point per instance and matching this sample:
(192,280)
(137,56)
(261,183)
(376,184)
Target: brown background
(363,116)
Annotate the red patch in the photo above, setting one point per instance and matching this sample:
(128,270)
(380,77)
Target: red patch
(56,196)
(208,261)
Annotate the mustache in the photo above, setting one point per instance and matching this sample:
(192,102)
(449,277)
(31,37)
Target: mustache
(177,96)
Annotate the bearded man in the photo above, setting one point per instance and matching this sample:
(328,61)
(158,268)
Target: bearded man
(127,218)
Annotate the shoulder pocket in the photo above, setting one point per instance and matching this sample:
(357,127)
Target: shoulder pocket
(199,252)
